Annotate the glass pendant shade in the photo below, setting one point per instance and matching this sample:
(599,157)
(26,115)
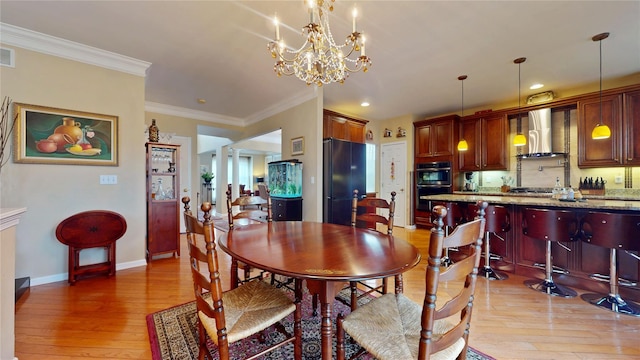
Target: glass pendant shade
(462,144)
(601,131)
(519,140)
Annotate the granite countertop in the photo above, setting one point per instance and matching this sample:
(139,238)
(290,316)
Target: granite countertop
(528,200)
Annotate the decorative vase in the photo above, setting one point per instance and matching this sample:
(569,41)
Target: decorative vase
(71,128)
(153,131)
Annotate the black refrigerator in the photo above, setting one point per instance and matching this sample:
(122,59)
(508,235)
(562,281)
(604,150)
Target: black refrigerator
(344,169)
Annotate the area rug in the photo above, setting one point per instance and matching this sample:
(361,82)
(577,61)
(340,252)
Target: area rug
(173,336)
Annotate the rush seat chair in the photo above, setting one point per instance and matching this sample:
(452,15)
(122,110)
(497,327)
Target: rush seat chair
(229,316)
(393,327)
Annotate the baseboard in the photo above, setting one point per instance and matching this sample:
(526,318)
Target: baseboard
(22,285)
(65,276)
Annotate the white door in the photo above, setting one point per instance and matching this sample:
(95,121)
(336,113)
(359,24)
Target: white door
(393,177)
(185,173)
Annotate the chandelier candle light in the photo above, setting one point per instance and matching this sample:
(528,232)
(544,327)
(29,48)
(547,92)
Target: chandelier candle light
(320,60)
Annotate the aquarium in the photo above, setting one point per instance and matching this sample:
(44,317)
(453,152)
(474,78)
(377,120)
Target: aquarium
(285,179)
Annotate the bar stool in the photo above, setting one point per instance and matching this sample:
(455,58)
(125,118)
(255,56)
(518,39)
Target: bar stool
(497,219)
(616,232)
(454,217)
(550,226)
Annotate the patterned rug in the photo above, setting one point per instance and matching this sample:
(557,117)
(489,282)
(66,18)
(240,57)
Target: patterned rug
(173,335)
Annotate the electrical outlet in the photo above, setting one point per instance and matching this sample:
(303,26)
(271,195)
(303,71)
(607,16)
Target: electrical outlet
(618,179)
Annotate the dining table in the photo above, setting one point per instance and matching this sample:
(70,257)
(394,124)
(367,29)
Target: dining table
(324,255)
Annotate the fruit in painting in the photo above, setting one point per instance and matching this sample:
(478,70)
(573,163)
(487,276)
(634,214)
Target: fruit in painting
(85,146)
(46,146)
(61,140)
(75,148)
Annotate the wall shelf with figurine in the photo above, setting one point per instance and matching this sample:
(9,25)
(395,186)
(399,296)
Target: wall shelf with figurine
(163,205)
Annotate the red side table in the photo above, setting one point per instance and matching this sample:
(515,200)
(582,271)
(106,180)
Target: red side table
(91,229)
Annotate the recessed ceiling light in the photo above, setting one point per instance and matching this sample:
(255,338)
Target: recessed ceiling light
(536,86)
(201,101)
(364,104)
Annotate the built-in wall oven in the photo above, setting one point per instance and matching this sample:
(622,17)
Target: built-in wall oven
(432,178)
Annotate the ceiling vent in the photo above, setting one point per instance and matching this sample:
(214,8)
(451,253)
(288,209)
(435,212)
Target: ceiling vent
(541,97)
(7,57)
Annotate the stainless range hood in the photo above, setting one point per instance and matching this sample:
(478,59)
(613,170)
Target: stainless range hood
(540,144)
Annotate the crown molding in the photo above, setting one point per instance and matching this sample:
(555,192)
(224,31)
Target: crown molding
(286,104)
(51,45)
(192,114)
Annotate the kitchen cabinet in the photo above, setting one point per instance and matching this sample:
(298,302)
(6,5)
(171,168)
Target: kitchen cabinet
(621,112)
(163,205)
(342,127)
(486,135)
(602,152)
(286,209)
(631,129)
(436,137)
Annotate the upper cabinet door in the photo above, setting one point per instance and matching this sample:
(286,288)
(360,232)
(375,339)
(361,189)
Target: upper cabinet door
(495,131)
(436,137)
(632,127)
(469,160)
(487,140)
(341,127)
(603,152)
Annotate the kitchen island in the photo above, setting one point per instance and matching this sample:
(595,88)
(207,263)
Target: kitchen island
(519,253)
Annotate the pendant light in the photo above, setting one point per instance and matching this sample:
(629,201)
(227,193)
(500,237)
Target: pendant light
(601,131)
(519,139)
(462,144)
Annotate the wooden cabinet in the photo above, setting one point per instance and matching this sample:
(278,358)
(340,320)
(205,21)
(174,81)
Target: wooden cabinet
(486,136)
(163,205)
(436,137)
(342,127)
(621,112)
(286,209)
(603,152)
(631,128)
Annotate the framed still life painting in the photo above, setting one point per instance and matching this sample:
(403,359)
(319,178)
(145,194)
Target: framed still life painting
(45,135)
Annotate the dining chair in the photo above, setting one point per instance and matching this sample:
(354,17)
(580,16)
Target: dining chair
(366,213)
(247,216)
(229,316)
(394,327)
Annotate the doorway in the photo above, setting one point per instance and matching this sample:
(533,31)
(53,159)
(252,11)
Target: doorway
(393,177)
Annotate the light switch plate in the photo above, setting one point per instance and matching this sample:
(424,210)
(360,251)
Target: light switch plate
(108,179)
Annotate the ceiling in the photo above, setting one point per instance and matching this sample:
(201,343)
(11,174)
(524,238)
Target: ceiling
(216,50)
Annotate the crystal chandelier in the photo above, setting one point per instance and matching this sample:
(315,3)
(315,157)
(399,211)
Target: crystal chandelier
(320,60)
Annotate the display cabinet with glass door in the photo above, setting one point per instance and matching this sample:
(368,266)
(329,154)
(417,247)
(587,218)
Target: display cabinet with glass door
(163,205)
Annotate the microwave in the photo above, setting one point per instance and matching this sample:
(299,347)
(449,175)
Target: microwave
(434,174)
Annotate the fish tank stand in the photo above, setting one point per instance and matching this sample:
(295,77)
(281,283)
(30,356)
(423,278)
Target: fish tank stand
(285,188)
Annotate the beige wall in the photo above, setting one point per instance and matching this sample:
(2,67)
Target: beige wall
(53,192)
(303,120)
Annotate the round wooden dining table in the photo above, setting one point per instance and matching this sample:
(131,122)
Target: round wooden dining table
(322,254)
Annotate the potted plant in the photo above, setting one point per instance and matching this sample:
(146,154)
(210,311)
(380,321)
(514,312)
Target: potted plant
(207,177)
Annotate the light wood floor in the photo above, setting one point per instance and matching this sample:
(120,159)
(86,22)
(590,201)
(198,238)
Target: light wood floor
(105,317)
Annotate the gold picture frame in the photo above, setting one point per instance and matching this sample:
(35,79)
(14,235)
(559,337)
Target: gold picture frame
(297,146)
(47,135)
